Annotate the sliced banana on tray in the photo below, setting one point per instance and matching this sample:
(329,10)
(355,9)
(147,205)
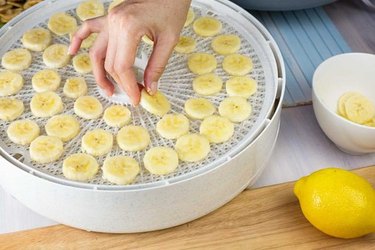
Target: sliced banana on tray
(121,170)
(156,104)
(88,107)
(185,45)
(133,138)
(117,116)
(202,63)
(207,26)
(199,108)
(46,80)
(173,126)
(209,84)
(10,83)
(82,63)
(46,104)
(90,9)
(65,127)
(235,108)
(46,149)
(97,142)
(237,65)
(17,59)
(80,167)
(10,109)
(226,44)
(62,24)
(75,87)
(23,132)
(241,86)
(37,39)
(217,129)
(161,160)
(192,147)
(56,56)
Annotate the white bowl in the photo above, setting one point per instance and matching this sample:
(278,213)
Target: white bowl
(334,77)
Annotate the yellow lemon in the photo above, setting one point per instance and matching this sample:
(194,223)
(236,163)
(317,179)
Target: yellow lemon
(337,202)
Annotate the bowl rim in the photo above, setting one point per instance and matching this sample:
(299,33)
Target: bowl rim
(322,65)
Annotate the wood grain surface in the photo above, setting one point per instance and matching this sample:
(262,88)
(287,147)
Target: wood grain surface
(263,218)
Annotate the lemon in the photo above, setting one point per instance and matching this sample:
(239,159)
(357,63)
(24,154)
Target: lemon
(337,202)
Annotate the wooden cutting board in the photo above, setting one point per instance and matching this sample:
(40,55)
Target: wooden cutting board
(263,218)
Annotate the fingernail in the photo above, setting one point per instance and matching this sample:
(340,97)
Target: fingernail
(154,87)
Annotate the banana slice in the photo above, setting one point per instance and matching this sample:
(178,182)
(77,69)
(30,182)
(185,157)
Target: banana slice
(56,56)
(226,44)
(10,109)
(173,126)
(161,160)
(192,147)
(147,40)
(65,127)
(241,86)
(217,129)
(199,108)
(88,107)
(121,170)
(209,84)
(46,104)
(46,80)
(341,104)
(88,42)
(90,9)
(114,4)
(133,138)
(202,63)
(36,39)
(190,17)
(75,87)
(235,108)
(156,104)
(23,132)
(82,63)
(359,109)
(46,149)
(117,116)
(80,167)
(237,65)
(16,60)
(62,24)
(10,83)
(207,26)
(97,142)
(185,45)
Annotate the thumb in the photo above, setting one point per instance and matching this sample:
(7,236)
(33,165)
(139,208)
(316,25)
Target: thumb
(163,48)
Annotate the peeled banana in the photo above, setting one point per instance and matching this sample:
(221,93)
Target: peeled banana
(207,26)
(23,132)
(75,87)
(90,9)
(156,104)
(97,142)
(117,116)
(235,108)
(209,84)
(226,44)
(121,170)
(199,108)
(65,127)
(62,24)
(217,129)
(46,104)
(56,56)
(16,60)
(241,86)
(202,63)
(36,39)
(10,109)
(173,126)
(10,83)
(133,138)
(161,160)
(80,167)
(88,107)
(46,149)
(192,147)
(82,63)
(46,80)
(237,65)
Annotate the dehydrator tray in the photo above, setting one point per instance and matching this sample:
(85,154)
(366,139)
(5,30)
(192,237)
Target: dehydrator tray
(176,84)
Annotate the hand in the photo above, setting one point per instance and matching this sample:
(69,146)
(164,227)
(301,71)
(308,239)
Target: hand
(121,31)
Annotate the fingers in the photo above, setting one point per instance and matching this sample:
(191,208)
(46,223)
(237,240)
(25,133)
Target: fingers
(97,56)
(163,48)
(90,26)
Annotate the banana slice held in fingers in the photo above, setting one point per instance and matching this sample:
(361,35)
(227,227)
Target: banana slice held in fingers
(172,126)
(62,24)
(16,60)
(207,26)
(10,109)
(241,86)
(46,80)
(75,87)
(202,63)
(90,9)
(199,108)
(46,104)
(209,84)
(161,160)
(235,108)
(185,45)
(121,170)
(133,138)
(80,167)
(10,83)
(56,56)
(226,44)
(156,104)
(65,127)
(82,63)
(46,149)
(97,142)
(36,39)
(190,17)
(117,116)
(192,147)
(23,132)
(88,107)
(237,65)
(217,129)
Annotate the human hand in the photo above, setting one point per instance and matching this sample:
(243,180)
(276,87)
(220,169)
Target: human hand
(120,32)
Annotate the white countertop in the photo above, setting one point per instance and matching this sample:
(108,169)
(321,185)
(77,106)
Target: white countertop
(301,149)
